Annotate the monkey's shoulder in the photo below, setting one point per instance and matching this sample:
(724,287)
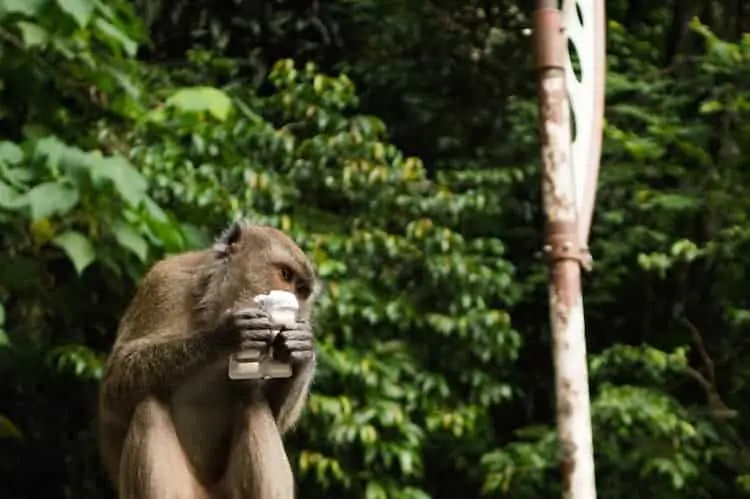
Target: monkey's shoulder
(167,290)
(179,270)
(182,263)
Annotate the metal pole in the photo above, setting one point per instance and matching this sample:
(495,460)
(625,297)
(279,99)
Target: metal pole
(565,255)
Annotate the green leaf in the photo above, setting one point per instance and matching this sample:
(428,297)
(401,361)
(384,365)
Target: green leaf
(9,198)
(194,237)
(27,7)
(711,106)
(19,178)
(129,239)
(124,81)
(674,202)
(32,34)
(51,198)
(77,247)
(115,35)
(73,162)
(201,99)
(79,10)
(78,359)
(10,153)
(127,180)
(155,212)
(168,235)
(8,429)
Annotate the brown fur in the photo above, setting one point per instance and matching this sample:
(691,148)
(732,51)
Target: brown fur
(172,426)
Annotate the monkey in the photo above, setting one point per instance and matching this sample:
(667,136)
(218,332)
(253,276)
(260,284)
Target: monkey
(171,424)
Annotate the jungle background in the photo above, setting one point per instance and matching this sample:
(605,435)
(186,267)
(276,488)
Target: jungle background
(396,141)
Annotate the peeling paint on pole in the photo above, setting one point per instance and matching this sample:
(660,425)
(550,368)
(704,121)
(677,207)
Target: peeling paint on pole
(565,256)
(557,182)
(571,383)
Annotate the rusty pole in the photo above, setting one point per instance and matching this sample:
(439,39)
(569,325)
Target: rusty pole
(565,253)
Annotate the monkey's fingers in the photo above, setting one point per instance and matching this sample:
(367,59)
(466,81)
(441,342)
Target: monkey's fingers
(298,345)
(250,313)
(287,335)
(254,323)
(294,350)
(261,336)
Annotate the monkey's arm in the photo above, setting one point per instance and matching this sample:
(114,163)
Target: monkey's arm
(147,365)
(158,341)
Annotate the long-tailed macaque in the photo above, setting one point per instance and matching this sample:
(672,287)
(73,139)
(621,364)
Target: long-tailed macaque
(172,425)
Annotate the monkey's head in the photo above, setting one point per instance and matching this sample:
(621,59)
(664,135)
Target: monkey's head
(256,259)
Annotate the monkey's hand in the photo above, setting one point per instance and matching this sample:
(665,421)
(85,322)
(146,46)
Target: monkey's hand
(253,326)
(295,344)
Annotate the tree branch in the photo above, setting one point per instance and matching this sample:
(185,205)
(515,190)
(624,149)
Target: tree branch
(716,405)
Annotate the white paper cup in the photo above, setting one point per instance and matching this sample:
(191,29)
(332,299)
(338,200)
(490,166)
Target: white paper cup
(282,307)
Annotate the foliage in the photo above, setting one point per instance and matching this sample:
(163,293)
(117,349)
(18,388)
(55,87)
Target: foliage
(120,144)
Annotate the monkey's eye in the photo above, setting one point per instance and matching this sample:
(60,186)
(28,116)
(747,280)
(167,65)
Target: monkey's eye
(286,273)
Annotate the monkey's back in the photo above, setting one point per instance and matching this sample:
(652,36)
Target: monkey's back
(163,302)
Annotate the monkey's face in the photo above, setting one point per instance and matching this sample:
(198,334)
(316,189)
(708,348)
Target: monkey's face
(262,259)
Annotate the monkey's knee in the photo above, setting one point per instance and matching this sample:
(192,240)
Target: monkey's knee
(153,463)
(151,414)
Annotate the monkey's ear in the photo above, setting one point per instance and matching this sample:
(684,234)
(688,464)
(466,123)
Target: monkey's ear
(229,240)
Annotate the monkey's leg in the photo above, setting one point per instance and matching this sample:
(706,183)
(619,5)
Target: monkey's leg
(258,466)
(153,464)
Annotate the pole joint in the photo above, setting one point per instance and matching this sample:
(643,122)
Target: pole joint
(562,247)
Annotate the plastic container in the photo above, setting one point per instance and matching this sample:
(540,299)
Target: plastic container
(282,307)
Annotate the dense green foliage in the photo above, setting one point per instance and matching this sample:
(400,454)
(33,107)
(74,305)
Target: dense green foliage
(396,142)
